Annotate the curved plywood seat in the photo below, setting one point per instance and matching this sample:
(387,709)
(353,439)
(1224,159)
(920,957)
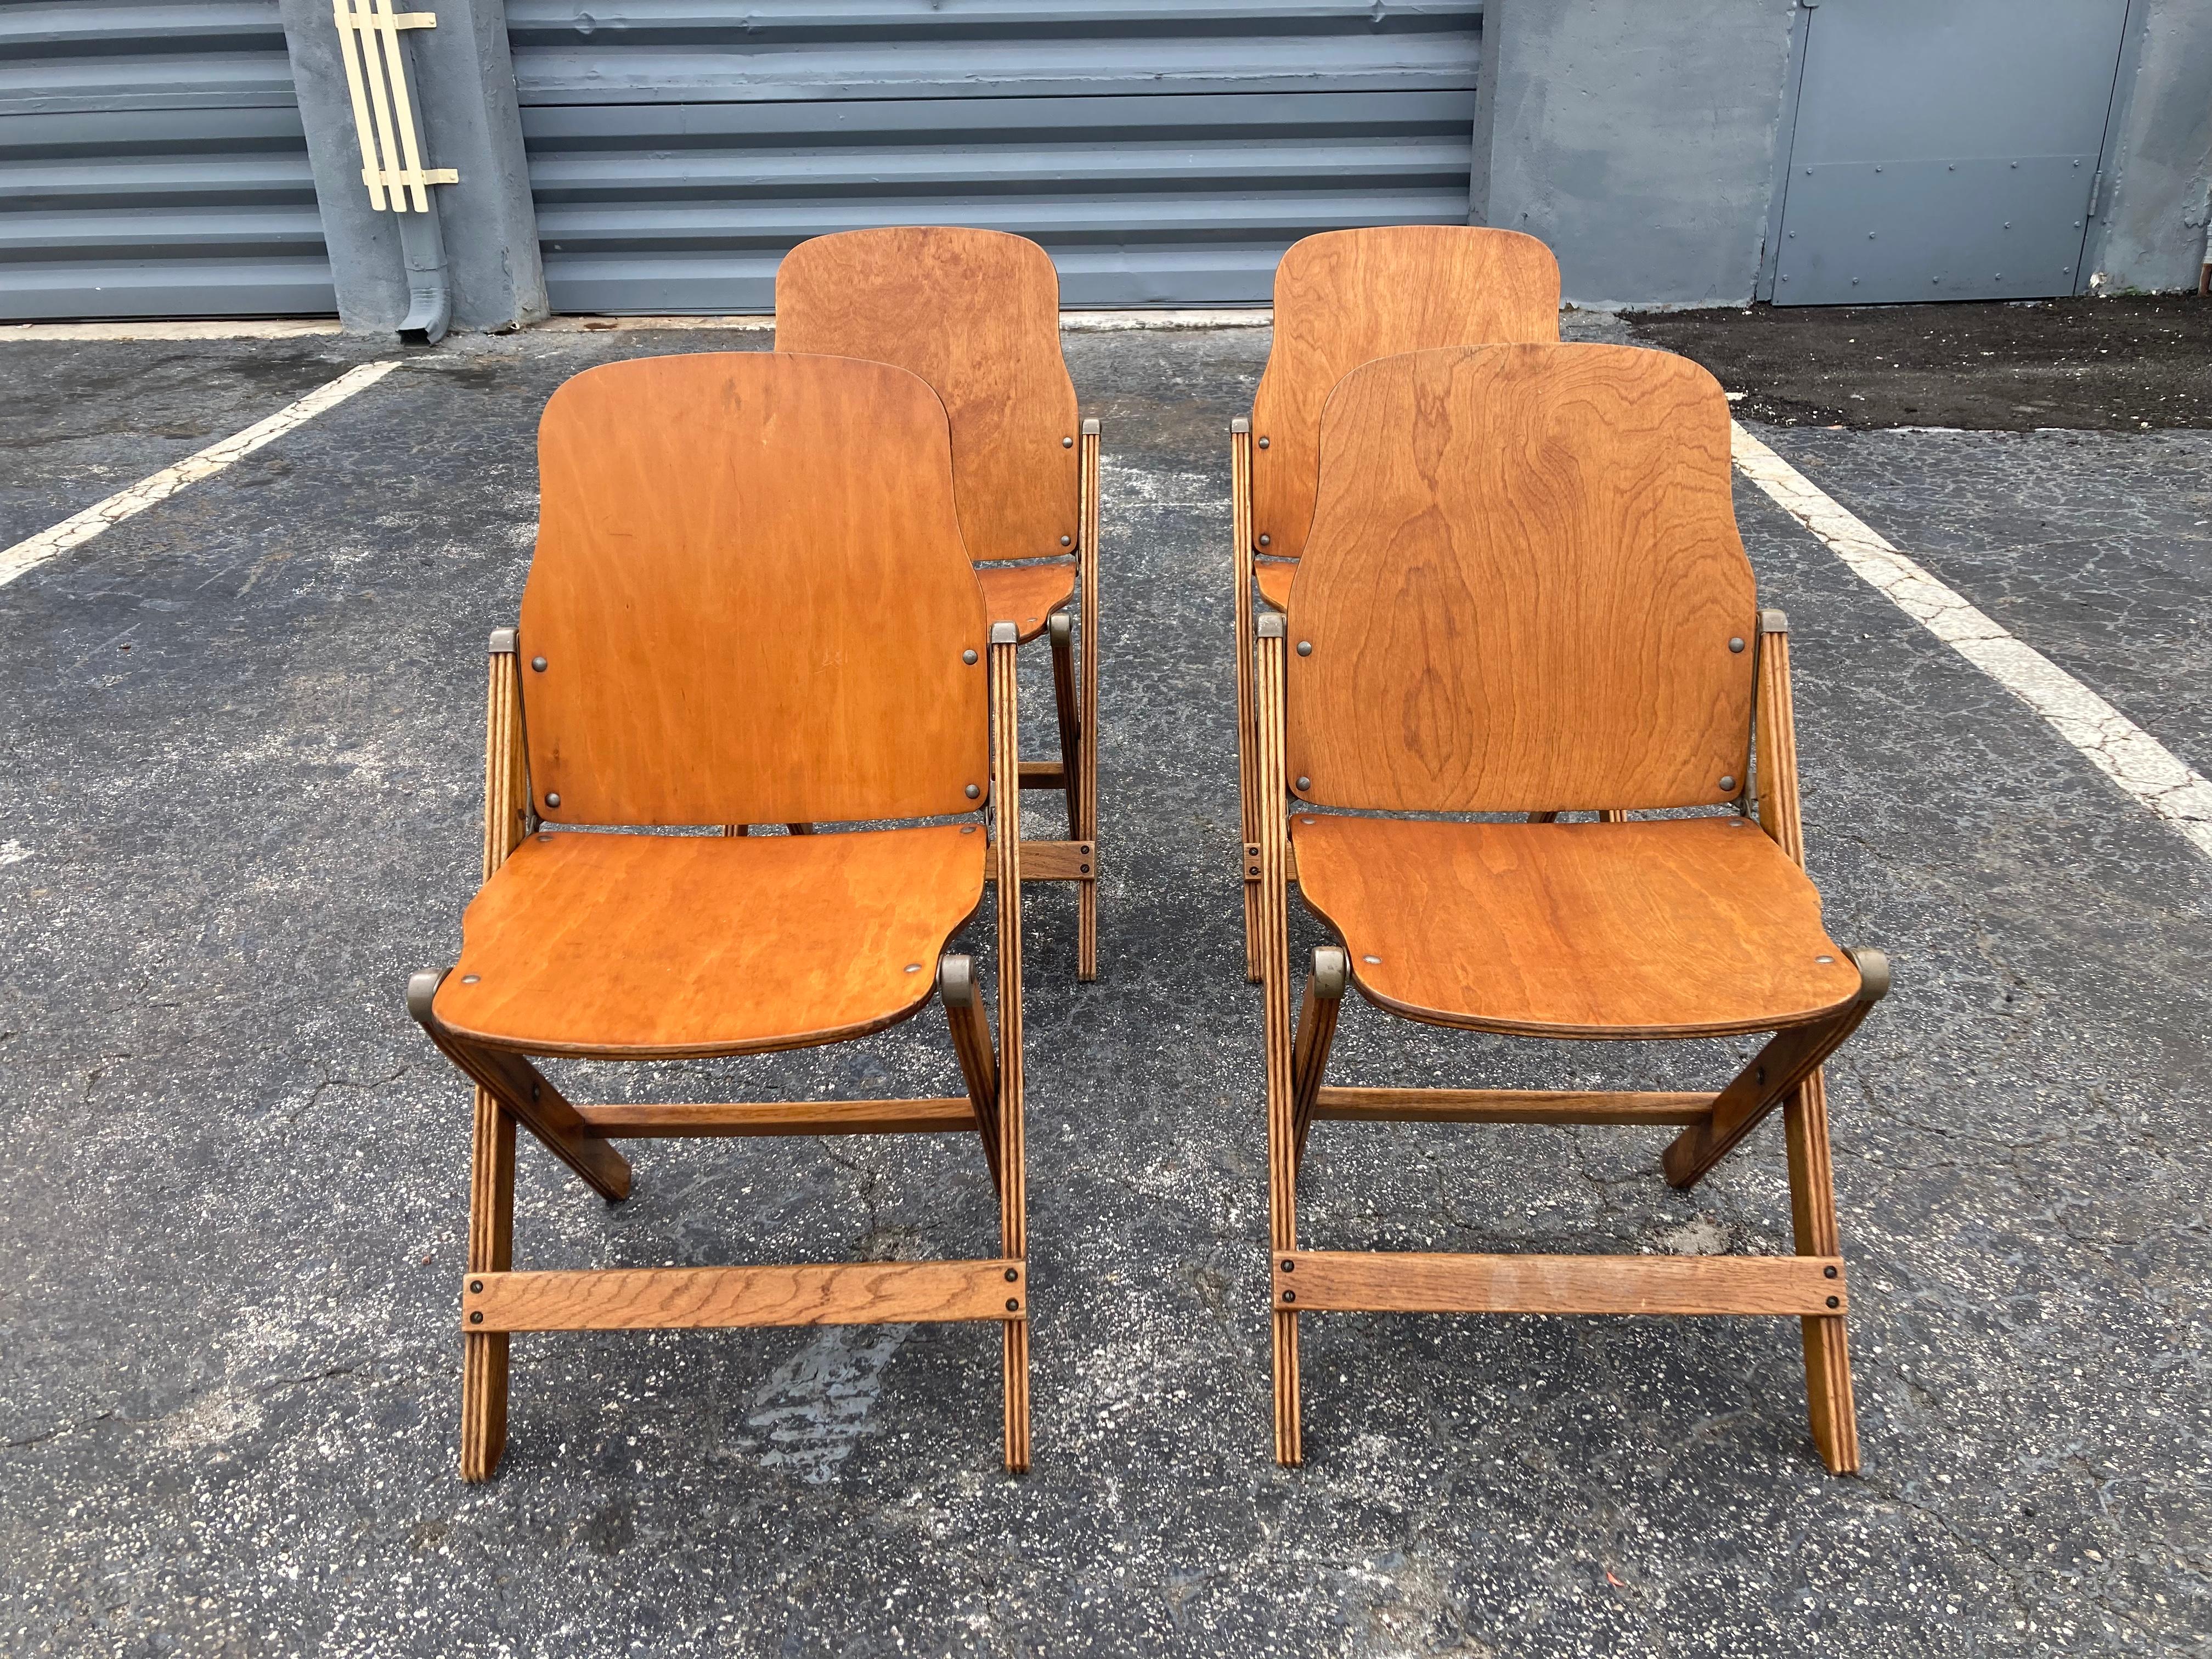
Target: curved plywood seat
(1026,594)
(641,946)
(1663,927)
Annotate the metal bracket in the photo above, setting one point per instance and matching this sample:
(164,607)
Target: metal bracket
(1005,633)
(1270,627)
(956,981)
(1242,423)
(1773,622)
(1332,970)
(503,642)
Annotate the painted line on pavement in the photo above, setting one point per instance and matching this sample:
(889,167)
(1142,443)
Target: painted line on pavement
(2138,762)
(29,554)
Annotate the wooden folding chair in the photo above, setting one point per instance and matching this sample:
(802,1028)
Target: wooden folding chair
(749,604)
(1342,299)
(1524,593)
(976,314)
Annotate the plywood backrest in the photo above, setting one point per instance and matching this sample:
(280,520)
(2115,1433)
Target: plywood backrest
(750,597)
(1524,590)
(1346,297)
(976,314)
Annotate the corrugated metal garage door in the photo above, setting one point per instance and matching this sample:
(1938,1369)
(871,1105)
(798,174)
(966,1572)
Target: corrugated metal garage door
(1165,151)
(152,164)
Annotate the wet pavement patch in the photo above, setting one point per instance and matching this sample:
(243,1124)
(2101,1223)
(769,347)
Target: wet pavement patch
(2118,364)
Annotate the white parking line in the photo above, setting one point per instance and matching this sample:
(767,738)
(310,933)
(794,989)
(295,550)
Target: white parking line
(2123,751)
(74,532)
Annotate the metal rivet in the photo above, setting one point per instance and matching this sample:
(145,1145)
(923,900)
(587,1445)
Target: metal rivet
(476,1284)
(1727,782)
(1290,1296)
(973,792)
(545,837)
(1013,1304)
(1735,645)
(472,979)
(1264,540)
(476,1319)
(1305,820)
(553,800)
(1827,1273)
(1067,541)
(1306,783)
(1824,959)
(1290,1266)
(1067,443)
(968,657)
(1835,1301)
(1263,443)
(1376,960)
(967,829)
(1013,1275)
(537,663)
(1084,871)
(914,967)
(1305,647)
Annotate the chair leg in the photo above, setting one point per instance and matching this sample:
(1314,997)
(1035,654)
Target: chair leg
(1060,629)
(971,1041)
(1086,825)
(1813,1214)
(1774,1072)
(1316,1033)
(1014,1214)
(1273,939)
(1240,516)
(491,1250)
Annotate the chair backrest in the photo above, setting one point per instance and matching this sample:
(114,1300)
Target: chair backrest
(1524,590)
(1346,297)
(750,597)
(976,314)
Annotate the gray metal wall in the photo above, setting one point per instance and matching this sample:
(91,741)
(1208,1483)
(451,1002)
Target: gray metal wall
(1165,151)
(152,163)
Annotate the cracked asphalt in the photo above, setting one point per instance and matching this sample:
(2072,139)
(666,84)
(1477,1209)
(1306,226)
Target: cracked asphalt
(244,747)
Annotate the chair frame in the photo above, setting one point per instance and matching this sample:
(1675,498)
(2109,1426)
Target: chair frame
(497,1301)
(1812,1284)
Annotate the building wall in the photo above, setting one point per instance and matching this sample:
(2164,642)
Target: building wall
(1637,137)
(2150,228)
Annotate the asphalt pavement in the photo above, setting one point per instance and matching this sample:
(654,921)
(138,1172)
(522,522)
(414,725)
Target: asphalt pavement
(239,805)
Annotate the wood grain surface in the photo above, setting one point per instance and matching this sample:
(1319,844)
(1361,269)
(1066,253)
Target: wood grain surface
(1346,297)
(642,945)
(976,314)
(1647,1108)
(1026,595)
(723,1120)
(692,1298)
(1682,927)
(1522,588)
(751,598)
(1330,1281)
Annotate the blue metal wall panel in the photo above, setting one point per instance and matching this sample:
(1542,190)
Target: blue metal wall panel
(1165,152)
(152,164)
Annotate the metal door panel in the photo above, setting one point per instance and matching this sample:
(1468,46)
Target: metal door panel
(1935,218)
(1945,151)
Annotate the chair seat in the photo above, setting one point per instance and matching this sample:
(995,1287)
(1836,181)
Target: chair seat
(1026,594)
(1273,576)
(640,945)
(1660,927)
